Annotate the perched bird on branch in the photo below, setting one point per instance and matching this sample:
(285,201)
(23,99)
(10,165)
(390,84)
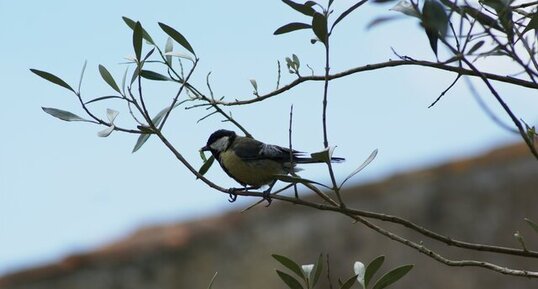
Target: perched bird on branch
(252,163)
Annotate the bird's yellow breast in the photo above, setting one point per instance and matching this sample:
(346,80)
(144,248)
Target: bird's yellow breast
(254,173)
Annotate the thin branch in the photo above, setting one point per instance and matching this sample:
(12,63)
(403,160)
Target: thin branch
(211,101)
(360,217)
(292,164)
(183,84)
(100,121)
(499,99)
(324,116)
(445,91)
(382,65)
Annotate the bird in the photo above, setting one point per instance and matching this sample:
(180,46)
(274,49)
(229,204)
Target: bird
(252,163)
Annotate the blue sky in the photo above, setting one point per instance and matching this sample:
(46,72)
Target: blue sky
(64,190)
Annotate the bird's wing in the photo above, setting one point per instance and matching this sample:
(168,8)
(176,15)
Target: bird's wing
(251,149)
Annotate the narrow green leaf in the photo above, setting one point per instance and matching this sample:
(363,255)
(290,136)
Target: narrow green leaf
(62,114)
(296,61)
(137,41)
(290,264)
(505,17)
(475,47)
(151,75)
(318,268)
(290,27)
(107,77)
(177,37)
(141,141)
(380,20)
(435,22)
(103,98)
(168,48)
(144,137)
(212,281)
(361,167)
(532,224)
(202,156)
(306,8)
(205,167)
(533,23)
(179,54)
(349,282)
(254,84)
(52,78)
(407,8)
(319,26)
(123,80)
(156,121)
(481,17)
(132,25)
(82,75)
(372,269)
(392,276)
(136,72)
(347,12)
(148,54)
(289,280)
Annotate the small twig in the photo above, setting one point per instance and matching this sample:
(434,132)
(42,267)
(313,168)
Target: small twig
(329,273)
(97,120)
(311,69)
(131,112)
(506,108)
(209,86)
(445,91)
(174,101)
(292,164)
(382,65)
(278,74)
(210,114)
(324,118)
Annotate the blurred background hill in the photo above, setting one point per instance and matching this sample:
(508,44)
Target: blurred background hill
(481,199)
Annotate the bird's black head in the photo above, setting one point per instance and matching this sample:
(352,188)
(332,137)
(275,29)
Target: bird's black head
(219,141)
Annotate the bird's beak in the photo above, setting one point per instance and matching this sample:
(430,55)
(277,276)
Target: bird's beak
(205,149)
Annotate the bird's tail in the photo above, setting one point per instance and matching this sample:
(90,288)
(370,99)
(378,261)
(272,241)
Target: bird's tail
(303,160)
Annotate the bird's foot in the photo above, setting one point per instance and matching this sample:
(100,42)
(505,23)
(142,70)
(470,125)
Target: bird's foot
(267,196)
(232,194)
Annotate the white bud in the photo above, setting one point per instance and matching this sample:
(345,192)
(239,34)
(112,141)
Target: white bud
(106,132)
(359,269)
(307,269)
(406,8)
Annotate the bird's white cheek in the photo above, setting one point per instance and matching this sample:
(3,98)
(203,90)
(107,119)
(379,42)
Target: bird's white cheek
(221,144)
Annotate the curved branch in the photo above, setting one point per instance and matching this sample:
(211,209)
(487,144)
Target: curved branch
(356,215)
(376,66)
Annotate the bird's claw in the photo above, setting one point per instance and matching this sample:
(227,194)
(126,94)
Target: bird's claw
(232,195)
(267,196)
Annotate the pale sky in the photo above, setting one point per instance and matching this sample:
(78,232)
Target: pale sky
(64,190)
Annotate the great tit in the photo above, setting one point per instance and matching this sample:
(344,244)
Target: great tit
(253,163)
